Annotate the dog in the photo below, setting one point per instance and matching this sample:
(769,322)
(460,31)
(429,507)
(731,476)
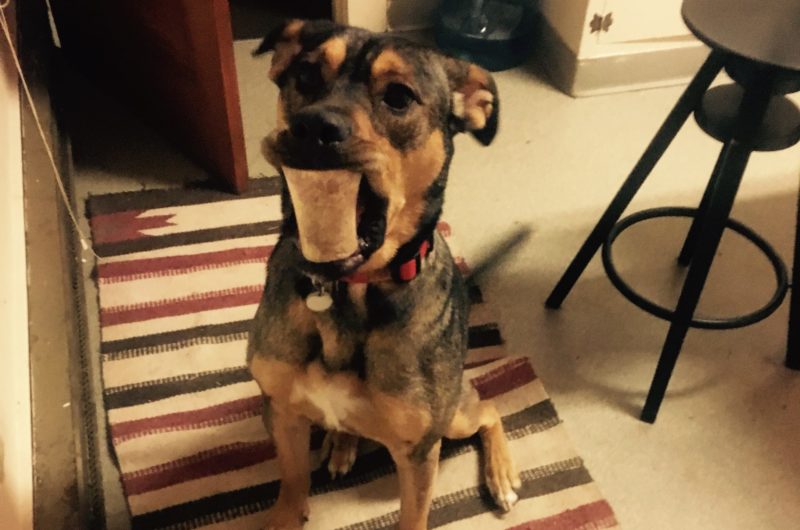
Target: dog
(362,327)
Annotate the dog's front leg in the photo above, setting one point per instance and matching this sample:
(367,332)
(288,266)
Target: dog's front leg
(291,434)
(417,475)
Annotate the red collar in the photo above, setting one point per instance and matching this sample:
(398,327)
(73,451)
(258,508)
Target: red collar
(401,273)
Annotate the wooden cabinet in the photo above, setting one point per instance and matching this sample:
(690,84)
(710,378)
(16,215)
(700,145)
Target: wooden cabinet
(174,61)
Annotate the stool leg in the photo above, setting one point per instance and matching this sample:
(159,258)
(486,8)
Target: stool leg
(687,251)
(686,104)
(793,347)
(734,157)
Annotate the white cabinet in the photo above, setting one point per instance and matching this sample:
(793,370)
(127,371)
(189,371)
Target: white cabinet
(619,27)
(599,46)
(641,20)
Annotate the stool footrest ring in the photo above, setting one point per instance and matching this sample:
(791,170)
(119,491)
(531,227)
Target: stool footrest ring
(662,312)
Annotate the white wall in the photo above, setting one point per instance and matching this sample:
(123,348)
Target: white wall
(15,412)
(369,14)
(380,15)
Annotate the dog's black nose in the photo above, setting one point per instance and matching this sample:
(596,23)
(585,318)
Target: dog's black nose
(320,126)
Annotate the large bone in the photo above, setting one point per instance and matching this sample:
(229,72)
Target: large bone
(325,207)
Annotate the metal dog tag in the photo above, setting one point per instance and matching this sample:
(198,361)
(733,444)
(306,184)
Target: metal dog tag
(318,302)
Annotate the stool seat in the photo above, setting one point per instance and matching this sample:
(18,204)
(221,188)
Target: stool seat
(764,31)
(717,114)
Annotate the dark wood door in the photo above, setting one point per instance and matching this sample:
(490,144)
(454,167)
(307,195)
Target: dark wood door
(174,60)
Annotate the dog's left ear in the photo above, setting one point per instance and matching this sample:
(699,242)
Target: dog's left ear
(285,42)
(475,104)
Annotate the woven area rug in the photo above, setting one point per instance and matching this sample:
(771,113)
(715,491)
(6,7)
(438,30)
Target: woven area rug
(179,279)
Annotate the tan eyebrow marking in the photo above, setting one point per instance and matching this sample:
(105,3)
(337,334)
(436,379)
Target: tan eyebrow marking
(333,52)
(389,63)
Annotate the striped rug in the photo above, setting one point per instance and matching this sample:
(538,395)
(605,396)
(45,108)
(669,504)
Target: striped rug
(179,279)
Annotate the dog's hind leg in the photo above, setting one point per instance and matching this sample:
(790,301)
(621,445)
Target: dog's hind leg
(342,449)
(474,415)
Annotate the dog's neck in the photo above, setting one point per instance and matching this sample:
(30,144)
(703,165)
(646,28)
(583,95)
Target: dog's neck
(319,294)
(405,266)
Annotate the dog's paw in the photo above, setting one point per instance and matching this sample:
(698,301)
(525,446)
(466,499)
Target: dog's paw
(342,448)
(283,516)
(502,479)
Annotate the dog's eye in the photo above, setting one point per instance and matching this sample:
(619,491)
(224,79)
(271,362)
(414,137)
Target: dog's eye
(398,96)
(308,78)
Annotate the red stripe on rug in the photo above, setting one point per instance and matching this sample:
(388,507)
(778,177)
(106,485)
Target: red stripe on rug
(504,378)
(124,226)
(213,462)
(181,306)
(587,517)
(187,261)
(178,421)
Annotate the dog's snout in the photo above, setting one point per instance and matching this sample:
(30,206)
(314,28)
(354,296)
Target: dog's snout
(323,127)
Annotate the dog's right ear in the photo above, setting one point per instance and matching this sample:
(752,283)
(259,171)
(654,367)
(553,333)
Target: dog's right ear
(284,40)
(475,105)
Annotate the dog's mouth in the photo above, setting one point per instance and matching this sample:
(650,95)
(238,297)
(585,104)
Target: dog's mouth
(340,219)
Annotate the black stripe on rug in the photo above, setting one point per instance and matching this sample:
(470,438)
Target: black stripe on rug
(480,336)
(147,392)
(106,250)
(173,346)
(475,294)
(152,199)
(368,467)
(159,340)
(484,335)
(536,418)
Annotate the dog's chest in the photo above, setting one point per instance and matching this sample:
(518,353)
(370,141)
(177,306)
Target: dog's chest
(340,401)
(330,400)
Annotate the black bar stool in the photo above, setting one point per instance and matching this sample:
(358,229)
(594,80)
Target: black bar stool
(756,42)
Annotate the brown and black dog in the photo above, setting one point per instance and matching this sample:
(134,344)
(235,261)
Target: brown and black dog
(362,328)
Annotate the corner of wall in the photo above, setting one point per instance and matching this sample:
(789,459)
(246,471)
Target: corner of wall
(567,19)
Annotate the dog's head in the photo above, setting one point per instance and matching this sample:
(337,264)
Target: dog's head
(364,139)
